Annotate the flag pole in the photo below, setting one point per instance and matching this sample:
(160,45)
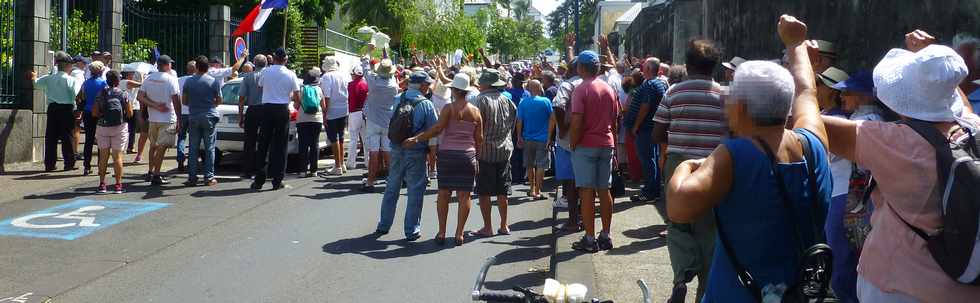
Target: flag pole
(285,23)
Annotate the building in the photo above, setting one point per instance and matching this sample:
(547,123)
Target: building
(470,7)
(608,12)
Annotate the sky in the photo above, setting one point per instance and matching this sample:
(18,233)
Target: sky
(546,6)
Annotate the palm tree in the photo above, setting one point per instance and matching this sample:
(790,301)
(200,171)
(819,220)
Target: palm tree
(521,8)
(506,4)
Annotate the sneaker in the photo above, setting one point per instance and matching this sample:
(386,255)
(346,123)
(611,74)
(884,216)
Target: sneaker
(164,179)
(255,186)
(413,237)
(119,188)
(336,171)
(278,186)
(102,188)
(586,245)
(604,242)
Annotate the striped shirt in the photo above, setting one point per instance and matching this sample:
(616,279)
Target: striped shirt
(499,118)
(692,111)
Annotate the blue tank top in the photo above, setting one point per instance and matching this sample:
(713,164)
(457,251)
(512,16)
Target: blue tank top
(756,223)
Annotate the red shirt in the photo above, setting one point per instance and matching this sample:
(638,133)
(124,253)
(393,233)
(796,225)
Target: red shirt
(356,94)
(596,101)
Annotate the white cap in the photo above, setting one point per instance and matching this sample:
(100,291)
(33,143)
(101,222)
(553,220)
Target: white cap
(358,70)
(460,81)
(922,85)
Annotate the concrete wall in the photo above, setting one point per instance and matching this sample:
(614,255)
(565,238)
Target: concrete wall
(16,136)
(864,30)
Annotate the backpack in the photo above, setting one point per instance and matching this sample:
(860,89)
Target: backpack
(955,247)
(111,110)
(400,127)
(311,100)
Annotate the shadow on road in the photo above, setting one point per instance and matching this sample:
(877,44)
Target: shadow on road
(370,246)
(530,279)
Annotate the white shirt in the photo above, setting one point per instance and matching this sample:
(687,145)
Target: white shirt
(441,95)
(334,87)
(278,83)
(615,80)
(317,117)
(130,93)
(184,110)
(219,74)
(79,78)
(160,88)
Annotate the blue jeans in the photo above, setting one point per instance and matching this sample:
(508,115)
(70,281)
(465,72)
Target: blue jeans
(201,128)
(844,277)
(648,152)
(407,166)
(182,138)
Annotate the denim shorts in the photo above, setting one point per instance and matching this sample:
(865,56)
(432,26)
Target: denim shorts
(563,165)
(592,167)
(536,155)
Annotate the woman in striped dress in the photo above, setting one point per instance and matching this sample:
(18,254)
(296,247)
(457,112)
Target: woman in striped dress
(462,130)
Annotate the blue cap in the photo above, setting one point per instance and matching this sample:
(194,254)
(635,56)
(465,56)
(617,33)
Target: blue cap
(419,77)
(588,57)
(860,82)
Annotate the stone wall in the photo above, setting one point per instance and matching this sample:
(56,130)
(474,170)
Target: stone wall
(864,30)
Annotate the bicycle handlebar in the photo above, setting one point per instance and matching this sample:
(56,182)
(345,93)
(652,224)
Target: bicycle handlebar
(482,276)
(505,296)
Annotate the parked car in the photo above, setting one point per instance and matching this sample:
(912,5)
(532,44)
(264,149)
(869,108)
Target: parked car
(231,137)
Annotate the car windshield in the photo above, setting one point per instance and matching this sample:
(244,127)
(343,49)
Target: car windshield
(229,93)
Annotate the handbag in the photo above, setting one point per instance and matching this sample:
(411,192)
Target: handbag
(618,185)
(816,261)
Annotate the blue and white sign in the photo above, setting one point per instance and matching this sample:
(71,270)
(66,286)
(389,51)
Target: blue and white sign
(76,219)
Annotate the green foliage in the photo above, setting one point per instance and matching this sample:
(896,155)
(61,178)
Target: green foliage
(443,32)
(513,39)
(83,35)
(561,22)
(138,50)
(6,36)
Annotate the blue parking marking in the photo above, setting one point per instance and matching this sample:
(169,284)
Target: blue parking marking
(75,219)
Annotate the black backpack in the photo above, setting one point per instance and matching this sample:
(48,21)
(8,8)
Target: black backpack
(400,127)
(111,110)
(955,245)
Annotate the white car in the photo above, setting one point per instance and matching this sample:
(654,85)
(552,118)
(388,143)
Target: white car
(231,137)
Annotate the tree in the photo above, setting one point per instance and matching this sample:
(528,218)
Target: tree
(389,16)
(506,4)
(521,8)
(562,21)
(516,38)
(445,31)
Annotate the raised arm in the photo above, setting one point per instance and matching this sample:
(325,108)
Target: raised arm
(806,112)
(699,185)
(486,59)
(604,48)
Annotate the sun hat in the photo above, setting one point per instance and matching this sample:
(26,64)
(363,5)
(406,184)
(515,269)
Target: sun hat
(329,64)
(384,68)
(826,48)
(460,81)
(733,64)
(922,85)
(357,71)
(860,82)
(491,77)
(832,76)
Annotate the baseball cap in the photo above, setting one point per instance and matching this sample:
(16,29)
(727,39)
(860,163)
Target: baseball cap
(588,57)
(280,53)
(214,60)
(419,77)
(860,82)
(164,59)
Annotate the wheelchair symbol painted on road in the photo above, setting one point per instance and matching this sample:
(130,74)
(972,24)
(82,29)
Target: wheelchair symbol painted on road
(75,219)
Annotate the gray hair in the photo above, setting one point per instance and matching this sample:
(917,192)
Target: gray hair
(766,89)
(652,64)
(548,75)
(260,61)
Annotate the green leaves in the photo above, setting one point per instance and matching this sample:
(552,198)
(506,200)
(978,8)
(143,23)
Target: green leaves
(512,38)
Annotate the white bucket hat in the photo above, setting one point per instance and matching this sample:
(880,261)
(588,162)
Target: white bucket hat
(329,64)
(460,81)
(922,85)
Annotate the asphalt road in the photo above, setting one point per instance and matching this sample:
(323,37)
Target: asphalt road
(307,243)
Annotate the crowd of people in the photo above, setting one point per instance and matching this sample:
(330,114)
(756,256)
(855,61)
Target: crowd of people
(794,149)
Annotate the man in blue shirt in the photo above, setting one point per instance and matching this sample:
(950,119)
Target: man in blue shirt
(639,119)
(517,93)
(536,124)
(91,89)
(408,161)
(201,94)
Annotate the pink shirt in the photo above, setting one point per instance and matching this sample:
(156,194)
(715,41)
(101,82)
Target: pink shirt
(894,258)
(596,101)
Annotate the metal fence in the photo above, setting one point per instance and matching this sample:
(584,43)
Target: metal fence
(339,42)
(82,26)
(178,34)
(7,30)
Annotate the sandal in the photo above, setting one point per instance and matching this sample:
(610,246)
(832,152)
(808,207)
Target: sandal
(503,231)
(585,245)
(483,233)
(460,240)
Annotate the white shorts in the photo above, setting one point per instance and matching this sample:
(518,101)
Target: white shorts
(376,138)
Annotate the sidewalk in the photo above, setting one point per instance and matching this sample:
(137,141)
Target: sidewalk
(639,253)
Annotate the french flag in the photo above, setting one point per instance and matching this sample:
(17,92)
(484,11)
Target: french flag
(256,18)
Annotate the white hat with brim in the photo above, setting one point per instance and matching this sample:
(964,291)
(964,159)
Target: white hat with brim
(460,81)
(922,85)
